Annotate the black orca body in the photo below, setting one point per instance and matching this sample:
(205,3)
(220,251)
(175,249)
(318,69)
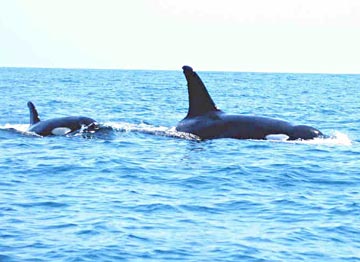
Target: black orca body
(60,125)
(208,122)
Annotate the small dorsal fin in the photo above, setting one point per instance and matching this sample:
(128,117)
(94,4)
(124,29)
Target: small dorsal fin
(200,101)
(34,116)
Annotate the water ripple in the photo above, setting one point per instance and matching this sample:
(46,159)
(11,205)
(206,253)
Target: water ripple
(138,190)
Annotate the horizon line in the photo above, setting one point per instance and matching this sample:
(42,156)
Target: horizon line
(172,69)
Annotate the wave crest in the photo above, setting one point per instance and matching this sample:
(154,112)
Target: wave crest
(149,129)
(336,138)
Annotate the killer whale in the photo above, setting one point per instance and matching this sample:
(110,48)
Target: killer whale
(206,121)
(60,125)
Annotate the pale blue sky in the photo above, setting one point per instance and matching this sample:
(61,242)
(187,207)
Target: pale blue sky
(237,35)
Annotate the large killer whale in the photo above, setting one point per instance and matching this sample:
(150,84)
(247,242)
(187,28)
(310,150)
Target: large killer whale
(60,125)
(206,121)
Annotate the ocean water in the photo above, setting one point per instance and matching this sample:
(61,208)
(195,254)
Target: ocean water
(140,191)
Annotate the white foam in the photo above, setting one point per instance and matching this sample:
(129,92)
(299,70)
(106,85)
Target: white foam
(277,137)
(150,129)
(20,128)
(336,139)
(23,128)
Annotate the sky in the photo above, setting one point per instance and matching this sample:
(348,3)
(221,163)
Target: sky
(305,36)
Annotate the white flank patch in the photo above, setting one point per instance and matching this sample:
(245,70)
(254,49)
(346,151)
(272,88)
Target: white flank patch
(277,137)
(60,131)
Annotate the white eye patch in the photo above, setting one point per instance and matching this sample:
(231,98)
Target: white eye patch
(277,137)
(60,131)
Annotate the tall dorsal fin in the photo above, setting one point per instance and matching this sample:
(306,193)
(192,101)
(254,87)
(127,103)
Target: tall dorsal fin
(34,116)
(200,101)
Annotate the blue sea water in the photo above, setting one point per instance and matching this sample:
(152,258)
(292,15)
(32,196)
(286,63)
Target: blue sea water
(139,191)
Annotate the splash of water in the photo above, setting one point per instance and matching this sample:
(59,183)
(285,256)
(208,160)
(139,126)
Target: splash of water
(22,128)
(150,129)
(337,138)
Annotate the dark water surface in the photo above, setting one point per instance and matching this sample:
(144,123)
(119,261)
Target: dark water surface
(139,191)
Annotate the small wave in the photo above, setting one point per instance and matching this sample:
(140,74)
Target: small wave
(6,258)
(17,128)
(47,204)
(150,129)
(23,129)
(335,139)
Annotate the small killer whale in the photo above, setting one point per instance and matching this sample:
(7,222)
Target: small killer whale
(60,125)
(206,121)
